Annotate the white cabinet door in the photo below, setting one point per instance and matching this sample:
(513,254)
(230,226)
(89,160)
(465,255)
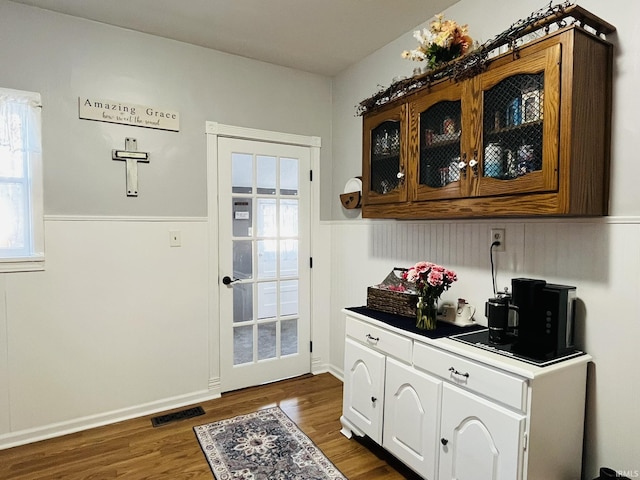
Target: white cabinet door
(363,395)
(480,440)
(411,417)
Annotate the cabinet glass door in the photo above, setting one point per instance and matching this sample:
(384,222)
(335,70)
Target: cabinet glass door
(519,149)
(384,157)
(439,123)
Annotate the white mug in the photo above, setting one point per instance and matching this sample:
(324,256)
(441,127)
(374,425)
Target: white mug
(465,312)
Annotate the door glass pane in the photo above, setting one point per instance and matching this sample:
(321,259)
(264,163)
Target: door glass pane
(266,175)
(242,302)
(289,337)
(266,340)
(242,344)
(385,157)
(267,219)
(267,300)
(289,258)
(242,259)
(513,127)
(241,215)
(241,173)
(288,218)
(288,176)
(440,144)
(267,258)
(289,297)
(12,208)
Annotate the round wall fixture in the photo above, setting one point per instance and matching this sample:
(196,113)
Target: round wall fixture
(352,193)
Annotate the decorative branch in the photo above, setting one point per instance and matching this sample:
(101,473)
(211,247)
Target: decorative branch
(477,60)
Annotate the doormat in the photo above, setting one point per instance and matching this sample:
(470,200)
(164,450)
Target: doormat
(263,445)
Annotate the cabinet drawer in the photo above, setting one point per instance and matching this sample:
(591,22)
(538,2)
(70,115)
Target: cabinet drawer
(486,381)
(380,339)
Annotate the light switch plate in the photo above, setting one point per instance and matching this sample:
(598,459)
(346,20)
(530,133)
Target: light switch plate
(174,238)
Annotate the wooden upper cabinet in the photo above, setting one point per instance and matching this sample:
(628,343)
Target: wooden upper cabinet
(385,147)
(438,142)
(517,148)
(528,136)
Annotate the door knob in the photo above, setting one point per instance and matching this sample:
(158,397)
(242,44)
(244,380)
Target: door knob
(227,280)
(444,441)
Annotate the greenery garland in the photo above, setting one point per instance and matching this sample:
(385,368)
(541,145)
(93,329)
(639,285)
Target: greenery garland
(473,62)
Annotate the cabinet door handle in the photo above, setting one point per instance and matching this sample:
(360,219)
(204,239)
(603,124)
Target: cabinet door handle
(456,372)
(374,399)
(444,441)
(373,339)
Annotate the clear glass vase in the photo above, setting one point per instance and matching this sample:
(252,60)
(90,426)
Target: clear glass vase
(426,310)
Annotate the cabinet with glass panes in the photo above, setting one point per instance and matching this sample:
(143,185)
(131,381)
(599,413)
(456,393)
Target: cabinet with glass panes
(528,136)
(384,144)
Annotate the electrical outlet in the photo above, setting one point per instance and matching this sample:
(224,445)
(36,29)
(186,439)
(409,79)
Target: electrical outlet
(497,235)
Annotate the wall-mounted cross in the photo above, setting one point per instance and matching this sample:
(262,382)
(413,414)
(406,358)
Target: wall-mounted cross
(131,155)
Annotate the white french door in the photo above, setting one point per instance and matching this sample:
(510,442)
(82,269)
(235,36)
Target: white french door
(263,261)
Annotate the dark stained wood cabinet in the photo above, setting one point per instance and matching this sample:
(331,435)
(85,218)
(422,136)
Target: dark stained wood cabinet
(529,136)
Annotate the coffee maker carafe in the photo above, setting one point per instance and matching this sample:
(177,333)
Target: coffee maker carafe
(501,319)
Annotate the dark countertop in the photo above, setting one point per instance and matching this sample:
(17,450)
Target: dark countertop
(408,324)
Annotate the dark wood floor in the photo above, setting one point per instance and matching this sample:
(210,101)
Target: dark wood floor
(134,450)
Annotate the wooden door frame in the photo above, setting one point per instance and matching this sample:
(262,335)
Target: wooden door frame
(214,131)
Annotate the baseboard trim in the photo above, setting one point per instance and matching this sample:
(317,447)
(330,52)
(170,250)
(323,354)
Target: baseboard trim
(336,372)
(46,432)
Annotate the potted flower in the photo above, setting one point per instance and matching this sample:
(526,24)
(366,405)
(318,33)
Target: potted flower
(430,280)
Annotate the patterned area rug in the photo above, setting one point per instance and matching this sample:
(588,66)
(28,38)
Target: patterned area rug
(263,445)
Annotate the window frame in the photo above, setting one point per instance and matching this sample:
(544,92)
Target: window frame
(32,257)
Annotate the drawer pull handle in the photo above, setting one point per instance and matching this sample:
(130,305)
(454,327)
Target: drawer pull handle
(444,441)
(373,339)
(374,399)
(456,372)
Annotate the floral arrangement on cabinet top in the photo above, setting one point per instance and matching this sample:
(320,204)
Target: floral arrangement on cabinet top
(444,41)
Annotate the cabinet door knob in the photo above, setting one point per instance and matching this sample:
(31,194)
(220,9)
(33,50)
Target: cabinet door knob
(400,175)
(473,163)
(444,441)
(374,399)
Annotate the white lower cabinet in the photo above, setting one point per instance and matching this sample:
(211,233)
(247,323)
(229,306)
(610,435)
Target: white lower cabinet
(480,440)
(363,393)
(411,406)
(451,411)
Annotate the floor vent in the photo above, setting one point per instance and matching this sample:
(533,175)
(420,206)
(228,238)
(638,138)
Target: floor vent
(175,416)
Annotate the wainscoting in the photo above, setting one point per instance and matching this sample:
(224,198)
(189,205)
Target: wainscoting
(600,256)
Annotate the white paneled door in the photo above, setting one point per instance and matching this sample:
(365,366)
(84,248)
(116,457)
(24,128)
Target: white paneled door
(264,253)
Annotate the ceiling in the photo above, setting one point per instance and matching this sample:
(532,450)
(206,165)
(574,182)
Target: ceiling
(319,36)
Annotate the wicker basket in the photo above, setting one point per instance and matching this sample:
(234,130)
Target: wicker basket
(388,301)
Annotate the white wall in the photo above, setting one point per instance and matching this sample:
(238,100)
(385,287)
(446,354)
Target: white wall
(600,256)
(118,324)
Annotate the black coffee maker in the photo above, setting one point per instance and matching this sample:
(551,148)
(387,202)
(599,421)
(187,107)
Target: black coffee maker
(545,317)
